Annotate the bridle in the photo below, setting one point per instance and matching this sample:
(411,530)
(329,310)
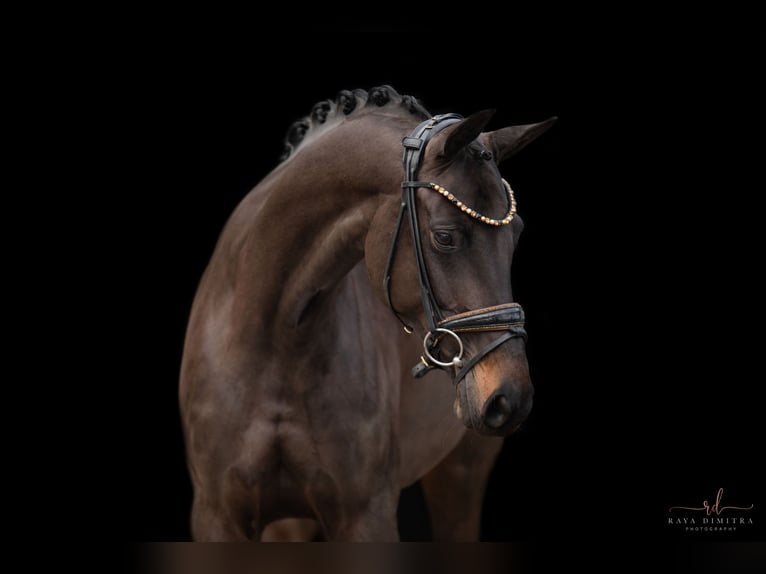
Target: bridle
(507,318)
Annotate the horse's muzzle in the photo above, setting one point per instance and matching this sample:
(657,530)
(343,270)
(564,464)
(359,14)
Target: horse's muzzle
(496,397)
(505,410)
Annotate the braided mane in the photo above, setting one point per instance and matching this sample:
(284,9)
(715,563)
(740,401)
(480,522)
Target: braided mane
(329,112)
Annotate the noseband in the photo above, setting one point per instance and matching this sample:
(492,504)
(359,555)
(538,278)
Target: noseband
(507,318)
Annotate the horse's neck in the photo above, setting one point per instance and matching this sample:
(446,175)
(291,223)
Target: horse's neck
(306,226)
(325,250)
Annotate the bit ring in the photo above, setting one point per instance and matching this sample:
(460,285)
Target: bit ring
(457,360)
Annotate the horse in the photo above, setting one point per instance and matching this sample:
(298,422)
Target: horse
(382,239)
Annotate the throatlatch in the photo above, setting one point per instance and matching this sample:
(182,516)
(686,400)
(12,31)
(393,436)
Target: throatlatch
(507,318)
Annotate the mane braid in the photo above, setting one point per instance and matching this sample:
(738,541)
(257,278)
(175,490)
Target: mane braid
(346,102)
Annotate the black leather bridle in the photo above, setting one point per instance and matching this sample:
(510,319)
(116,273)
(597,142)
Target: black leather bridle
(507,318)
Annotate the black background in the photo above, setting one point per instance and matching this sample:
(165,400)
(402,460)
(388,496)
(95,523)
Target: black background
(638,267)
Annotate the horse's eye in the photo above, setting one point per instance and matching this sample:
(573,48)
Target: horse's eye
(444,238)
(447,239)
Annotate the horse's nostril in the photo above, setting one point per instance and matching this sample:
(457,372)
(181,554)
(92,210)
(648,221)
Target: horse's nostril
(498,411)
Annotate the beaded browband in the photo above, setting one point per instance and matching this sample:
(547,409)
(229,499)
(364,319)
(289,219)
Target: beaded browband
(469,211)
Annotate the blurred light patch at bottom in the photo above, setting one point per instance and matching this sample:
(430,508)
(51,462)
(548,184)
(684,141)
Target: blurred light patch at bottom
(333,558)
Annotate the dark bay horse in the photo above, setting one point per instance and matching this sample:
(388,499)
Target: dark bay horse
(297,390)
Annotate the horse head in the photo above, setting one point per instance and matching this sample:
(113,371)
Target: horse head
(455,293)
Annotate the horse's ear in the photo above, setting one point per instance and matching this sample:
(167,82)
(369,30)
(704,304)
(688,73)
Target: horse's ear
(460,134)
(506,142)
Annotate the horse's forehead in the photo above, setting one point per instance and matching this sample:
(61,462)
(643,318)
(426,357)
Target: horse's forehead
(469,177)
